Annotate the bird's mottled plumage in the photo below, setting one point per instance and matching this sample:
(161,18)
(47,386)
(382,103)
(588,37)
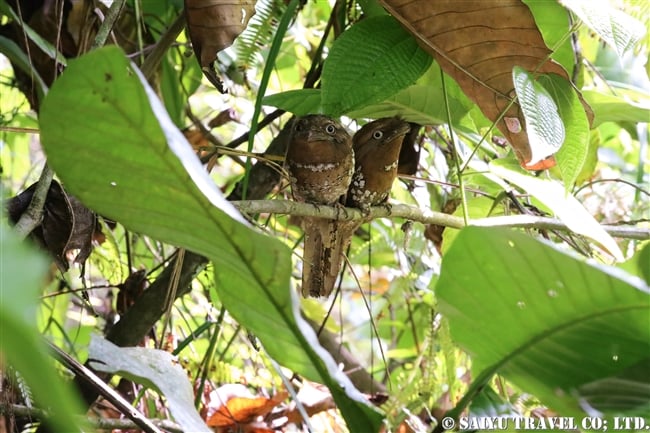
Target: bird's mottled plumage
(376,148)
(320,160)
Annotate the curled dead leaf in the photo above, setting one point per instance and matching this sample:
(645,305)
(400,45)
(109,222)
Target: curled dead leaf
(66,224)
(213,26)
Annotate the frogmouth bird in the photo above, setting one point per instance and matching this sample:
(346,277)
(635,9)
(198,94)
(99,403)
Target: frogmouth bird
(376,148)
(320,161)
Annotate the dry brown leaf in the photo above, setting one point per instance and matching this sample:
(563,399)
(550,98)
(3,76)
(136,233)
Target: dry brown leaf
(478,43)
(66,225)
(213,26)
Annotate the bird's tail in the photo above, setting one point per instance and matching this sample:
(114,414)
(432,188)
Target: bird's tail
(325,243)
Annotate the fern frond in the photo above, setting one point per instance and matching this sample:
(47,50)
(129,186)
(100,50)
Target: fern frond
(259,32)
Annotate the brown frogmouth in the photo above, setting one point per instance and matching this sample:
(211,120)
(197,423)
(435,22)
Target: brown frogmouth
(320,161)
(376,148)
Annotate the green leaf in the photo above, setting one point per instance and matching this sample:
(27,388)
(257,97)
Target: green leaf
(299,102)
(490,404)
(156,369)
(114,146)
(644,263)
(565,206)
(46,47)
(589,167)
(544,126)
(572,156)
(373,60)
(615,27)
(177,85)
(19,59)
(423,102)
(553,23)
(610,108)
(547,321)
(22,272)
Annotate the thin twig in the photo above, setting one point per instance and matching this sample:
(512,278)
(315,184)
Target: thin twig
(425,216)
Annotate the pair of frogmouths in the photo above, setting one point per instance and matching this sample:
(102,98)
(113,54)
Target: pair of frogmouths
(329,167)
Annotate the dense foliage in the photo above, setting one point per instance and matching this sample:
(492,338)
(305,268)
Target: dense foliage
(540,308)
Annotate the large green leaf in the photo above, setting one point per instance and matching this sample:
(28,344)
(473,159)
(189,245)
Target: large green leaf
(374,59)
(551,323)
(112,143)
(21,274)
(423,102)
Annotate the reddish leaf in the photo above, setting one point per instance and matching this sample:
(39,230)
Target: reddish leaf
(478,43)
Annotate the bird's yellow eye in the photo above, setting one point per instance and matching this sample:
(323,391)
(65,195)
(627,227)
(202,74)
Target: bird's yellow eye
(377,135)
(330,129)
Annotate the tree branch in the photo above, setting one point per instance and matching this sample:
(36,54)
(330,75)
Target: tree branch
(425,216)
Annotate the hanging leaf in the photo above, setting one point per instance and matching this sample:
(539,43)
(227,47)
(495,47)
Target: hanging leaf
(478,44)
(213,26)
